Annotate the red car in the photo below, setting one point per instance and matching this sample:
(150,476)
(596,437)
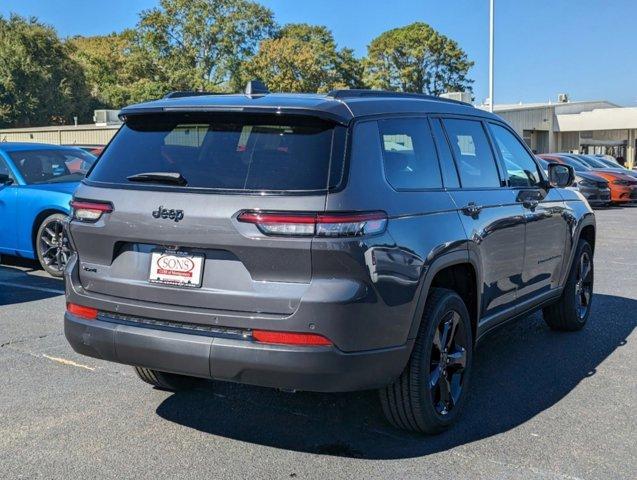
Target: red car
(92,149)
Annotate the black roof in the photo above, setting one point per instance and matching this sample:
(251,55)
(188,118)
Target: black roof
(339,105)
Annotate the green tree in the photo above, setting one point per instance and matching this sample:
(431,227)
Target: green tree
(304,58)
(117,70)
(39,82)
(201,44)
(416,58)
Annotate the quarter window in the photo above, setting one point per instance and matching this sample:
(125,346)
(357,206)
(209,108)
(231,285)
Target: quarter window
(520,166)
(473,154)
(4,169)
(409,154)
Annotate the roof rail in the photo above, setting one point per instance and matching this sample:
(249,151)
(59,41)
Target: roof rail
(190,93)
(362,92)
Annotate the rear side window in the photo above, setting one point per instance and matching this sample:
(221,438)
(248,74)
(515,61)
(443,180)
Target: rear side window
(409,155)
(227,152)
(520,166)
(473,153)
(52,166)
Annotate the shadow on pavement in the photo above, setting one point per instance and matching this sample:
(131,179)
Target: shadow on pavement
(520,371)
(19,285)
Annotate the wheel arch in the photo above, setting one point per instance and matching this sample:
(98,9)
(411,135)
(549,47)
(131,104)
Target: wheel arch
(585,229)
(458,271)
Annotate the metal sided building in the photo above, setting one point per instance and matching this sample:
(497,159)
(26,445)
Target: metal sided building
(583,127)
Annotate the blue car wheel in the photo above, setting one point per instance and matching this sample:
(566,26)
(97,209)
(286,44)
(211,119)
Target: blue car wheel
(52,245)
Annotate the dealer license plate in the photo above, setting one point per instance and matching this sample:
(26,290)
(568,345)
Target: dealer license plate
(176,268)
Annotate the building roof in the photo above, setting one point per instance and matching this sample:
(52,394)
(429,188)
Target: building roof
(579,105)
(569,104)
(339,106)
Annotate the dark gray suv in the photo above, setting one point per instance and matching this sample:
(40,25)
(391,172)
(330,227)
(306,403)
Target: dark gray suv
(355,240)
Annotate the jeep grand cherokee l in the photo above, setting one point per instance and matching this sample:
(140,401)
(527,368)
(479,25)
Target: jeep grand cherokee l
(348,241)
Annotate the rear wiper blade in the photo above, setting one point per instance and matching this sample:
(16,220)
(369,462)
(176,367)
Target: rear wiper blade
(159,177)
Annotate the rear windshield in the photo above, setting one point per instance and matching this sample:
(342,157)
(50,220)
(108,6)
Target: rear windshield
(226,152)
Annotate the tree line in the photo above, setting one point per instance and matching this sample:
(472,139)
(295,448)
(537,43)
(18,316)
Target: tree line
(209,45)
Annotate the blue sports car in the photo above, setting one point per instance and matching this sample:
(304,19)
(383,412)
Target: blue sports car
(37,182)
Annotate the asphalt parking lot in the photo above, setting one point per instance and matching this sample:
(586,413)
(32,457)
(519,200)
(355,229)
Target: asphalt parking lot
(543,404)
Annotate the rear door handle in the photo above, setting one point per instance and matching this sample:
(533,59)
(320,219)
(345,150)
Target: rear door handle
(472,209)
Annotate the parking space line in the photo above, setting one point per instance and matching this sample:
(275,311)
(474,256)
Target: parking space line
(70,363)
(29,287)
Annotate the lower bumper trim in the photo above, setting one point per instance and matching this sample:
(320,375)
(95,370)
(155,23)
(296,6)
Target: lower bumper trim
(320,369)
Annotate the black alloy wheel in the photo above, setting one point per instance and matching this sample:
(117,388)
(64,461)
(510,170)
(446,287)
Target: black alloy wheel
(52,245)
(584,285)
(447,363)
(430,393)
(571,311)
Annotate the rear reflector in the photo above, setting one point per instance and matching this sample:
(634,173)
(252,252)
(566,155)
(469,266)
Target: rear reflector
(288,338)
(80,311)
(317,224)
(89,211)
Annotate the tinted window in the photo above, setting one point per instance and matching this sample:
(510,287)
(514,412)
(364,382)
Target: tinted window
(449,172)
(577,165)
(609,163)
(473,154)
(4,169)
(590,161)
(235,152)
(520,166)
(409,154)
(48,166)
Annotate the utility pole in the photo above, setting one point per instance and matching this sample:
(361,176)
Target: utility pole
(491,59)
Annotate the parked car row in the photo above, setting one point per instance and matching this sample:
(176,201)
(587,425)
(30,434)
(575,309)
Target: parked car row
(601,181)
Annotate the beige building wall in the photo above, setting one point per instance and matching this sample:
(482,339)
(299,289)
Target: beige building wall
(66,135)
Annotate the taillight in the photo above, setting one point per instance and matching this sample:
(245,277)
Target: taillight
(290,338)
(89,211)
(81,311)
(317,224)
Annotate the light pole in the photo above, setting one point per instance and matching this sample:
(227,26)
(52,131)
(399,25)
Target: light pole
(491,8)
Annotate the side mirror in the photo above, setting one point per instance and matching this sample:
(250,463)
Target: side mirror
(560,175)
(5,179)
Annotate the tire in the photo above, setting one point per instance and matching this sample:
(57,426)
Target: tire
(52,246)
(571,312)
(410,403)
(165,380)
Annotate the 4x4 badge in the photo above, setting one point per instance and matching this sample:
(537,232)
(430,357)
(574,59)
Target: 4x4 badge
(172,214)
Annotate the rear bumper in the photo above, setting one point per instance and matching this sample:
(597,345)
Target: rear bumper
(320,369)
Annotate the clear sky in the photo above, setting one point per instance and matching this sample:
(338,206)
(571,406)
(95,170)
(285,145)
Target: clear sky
(586,48)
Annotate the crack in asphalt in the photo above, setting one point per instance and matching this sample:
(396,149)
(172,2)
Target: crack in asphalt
(26,339)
